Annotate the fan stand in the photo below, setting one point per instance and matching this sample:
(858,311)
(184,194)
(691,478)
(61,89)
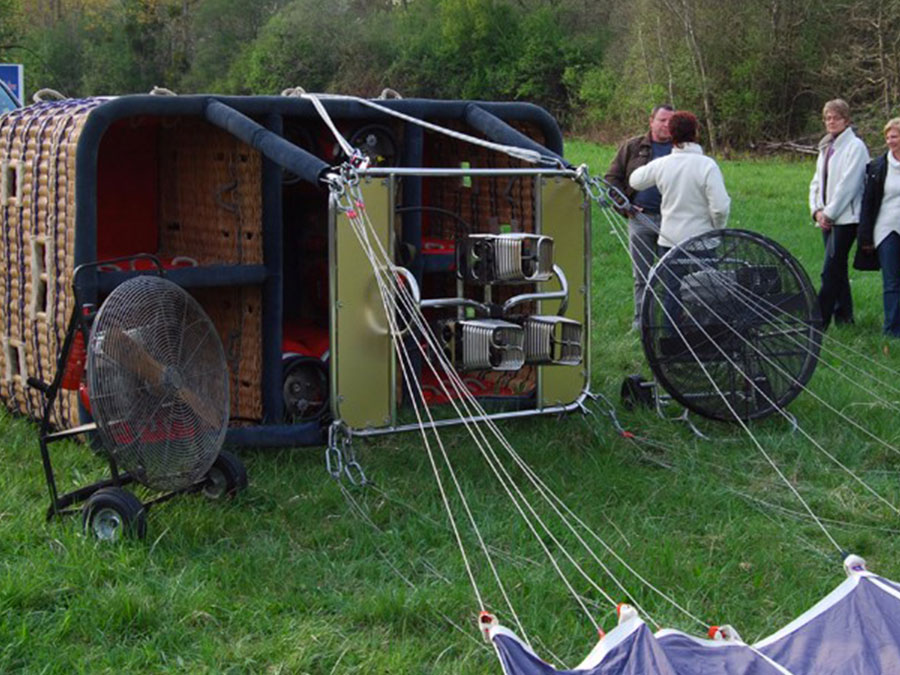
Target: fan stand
(109,510)
(639,392)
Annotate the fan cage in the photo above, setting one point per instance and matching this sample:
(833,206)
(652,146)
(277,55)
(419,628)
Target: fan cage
(730,325)
(158,383)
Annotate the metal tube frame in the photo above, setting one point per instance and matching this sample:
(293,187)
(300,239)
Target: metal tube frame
(391,174)
(578,404)
(449,172)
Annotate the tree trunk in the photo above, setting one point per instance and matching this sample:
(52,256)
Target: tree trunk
(670,79)
(682,10)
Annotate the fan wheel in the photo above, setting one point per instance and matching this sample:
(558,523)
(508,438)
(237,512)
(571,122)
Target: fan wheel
(113,513)
(226,477)
(730,325)
(305,389)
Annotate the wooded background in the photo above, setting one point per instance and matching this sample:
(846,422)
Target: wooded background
(753,71)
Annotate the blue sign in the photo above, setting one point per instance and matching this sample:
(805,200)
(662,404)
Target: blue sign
(13,76)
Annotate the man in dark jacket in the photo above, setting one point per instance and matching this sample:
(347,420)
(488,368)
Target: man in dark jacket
(643,218)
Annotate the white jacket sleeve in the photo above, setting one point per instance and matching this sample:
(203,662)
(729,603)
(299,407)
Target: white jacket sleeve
(849,184)
(643,177)
(815,200)
(717,197)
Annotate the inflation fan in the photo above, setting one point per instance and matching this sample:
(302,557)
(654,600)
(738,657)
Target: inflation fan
(157,387)
(730,326)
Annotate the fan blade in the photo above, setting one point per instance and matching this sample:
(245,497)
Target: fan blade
(142,364)
(204,410)
(139,361)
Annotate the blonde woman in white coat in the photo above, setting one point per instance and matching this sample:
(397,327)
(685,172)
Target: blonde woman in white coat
(835,196)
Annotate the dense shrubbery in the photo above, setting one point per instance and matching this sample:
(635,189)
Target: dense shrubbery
(752,71)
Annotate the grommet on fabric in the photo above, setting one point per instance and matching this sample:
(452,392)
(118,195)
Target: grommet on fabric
(854,564)
(486,621)
(625,612)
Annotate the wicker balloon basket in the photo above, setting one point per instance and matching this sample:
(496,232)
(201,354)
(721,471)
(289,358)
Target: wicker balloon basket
(179,188)
(88,180)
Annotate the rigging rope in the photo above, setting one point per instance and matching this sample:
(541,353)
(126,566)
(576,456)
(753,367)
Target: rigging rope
(391,291)
(721,394)
(351,186)
(524,154)
(467,398)
(352,208)
(496,465)
(704,264)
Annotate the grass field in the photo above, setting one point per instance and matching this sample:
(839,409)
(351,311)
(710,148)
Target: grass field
(297,576)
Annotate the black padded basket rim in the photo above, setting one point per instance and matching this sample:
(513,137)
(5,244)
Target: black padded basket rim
(815,325)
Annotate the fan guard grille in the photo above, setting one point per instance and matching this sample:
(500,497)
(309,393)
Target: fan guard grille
(158,383)
(747,312)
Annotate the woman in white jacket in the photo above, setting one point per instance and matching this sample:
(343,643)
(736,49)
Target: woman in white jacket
(835,196)
(694,199)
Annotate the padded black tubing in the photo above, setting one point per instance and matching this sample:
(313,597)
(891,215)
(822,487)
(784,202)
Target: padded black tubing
(285,154)
(500,132)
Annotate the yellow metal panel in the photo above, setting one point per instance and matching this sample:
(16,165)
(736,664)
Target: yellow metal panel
(565,217)
(361,345)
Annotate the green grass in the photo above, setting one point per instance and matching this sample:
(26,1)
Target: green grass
(288,578)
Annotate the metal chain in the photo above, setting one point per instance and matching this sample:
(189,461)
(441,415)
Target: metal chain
(340,456)
(334,460)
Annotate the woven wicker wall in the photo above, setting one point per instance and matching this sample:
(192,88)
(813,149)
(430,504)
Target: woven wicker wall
(210,195)
(237,314)
(210,210)
(37,245)
(482,201)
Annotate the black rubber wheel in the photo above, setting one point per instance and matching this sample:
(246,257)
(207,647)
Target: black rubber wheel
(113,513)
(305,389)
(377,143)
(730,325)
(227,476)
(636,393)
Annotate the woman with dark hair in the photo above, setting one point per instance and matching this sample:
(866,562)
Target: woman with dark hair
(694,201)
(694,198)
